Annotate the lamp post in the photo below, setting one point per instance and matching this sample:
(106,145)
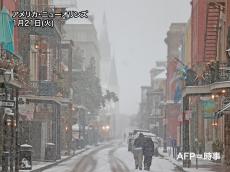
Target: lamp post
(10,124)
(163,105)
(82,114)
(5,125)
(165,141)
(196,146)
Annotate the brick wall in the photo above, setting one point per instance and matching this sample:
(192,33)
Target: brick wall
(198,21)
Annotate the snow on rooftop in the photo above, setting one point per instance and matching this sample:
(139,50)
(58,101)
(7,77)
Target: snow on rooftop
(162,75)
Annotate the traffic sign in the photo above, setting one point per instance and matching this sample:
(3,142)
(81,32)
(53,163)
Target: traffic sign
(7,103)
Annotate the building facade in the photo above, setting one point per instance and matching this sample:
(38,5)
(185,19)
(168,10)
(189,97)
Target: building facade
(109,78)
(172,107)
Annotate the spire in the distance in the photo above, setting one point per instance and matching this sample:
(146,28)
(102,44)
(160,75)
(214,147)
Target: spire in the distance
(104,40)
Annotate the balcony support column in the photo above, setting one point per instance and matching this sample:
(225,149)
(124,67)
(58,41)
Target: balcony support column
(186,148)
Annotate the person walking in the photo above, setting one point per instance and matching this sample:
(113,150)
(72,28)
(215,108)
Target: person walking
(148,151)
(138,151)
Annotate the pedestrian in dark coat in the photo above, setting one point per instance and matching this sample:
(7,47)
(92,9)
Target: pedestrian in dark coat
(138,151)
(148,151)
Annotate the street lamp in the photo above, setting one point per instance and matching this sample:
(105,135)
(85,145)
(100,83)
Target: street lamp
(107,127)
(213,96)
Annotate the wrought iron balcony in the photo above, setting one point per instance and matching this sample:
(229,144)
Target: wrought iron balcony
(45,88)
(8,60)
(49,88)
(216,72)
(11,62)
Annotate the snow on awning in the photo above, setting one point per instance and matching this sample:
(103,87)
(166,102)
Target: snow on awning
(26,145)
(58,100)
(75,127)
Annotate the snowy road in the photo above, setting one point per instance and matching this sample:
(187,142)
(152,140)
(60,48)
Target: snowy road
(110,158)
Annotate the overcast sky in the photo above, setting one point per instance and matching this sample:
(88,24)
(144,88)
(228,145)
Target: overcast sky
(137,29)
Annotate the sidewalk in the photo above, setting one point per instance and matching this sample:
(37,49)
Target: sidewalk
(38,166)
(203,165)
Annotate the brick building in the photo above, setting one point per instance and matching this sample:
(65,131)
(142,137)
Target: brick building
(172,110)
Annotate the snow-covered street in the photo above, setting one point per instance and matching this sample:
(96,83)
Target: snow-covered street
(112,157)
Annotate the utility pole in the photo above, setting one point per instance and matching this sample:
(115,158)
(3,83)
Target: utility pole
(165,128)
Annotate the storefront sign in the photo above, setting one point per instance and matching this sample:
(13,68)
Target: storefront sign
(7,103)
(208,107)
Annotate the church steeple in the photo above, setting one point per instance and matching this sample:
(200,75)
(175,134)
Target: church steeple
(104,40)
(113,79)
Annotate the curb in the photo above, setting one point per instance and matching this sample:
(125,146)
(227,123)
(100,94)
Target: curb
(177,166)
(58,162)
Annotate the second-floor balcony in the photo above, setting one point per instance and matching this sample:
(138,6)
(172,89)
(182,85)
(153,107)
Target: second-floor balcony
(216,72)
(215,76)
(45,88)
(49,88)
(11,63)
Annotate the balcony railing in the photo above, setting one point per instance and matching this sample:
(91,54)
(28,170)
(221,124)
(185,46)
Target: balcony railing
(49,88)
(217,72)
(45,88)
(8,60)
